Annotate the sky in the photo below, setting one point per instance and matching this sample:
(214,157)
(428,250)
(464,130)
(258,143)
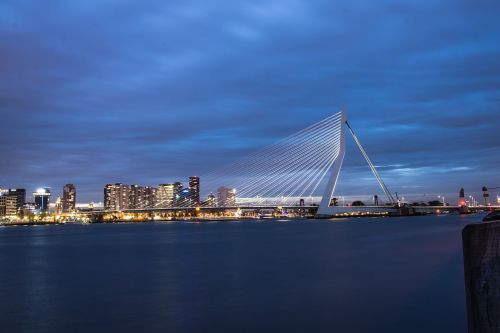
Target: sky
(149,92)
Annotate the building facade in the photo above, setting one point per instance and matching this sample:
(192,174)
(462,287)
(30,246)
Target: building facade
(194,188)
(150,197)
(116,196)
(20,195)
(11,206)
(136,197)
(226,197)
(184,198)
(178,188)
(42,199)
(69,198)
(165,196)
(211,200)
(3,198)
(59,205)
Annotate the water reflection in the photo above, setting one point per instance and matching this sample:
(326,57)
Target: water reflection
(375,274)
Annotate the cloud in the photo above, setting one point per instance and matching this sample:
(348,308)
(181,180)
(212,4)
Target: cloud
(102,91)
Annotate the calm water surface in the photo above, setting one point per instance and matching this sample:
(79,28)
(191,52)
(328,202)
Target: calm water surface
(353,275)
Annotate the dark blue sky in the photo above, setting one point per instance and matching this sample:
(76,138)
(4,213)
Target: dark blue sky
(148,92)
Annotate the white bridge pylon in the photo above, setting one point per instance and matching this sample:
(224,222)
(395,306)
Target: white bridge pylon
(326,208)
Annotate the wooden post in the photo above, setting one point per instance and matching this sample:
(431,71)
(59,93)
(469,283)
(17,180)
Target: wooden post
(481,244)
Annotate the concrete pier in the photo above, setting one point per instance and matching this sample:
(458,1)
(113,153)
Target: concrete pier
(481,244)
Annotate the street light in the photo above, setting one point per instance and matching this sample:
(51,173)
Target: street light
(442,197)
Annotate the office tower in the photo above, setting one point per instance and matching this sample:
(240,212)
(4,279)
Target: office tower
(11,206)
(211,202)
(20,194)
(150,197)
(116,196)
(69,198)
(108,196)
(3,198)
(136,197)
(184,198)
(42,199)
(194,188)
(59,205)
(165,196)
(226,197)
(178,187)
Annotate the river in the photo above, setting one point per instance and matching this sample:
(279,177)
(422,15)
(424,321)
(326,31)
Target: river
(401,274)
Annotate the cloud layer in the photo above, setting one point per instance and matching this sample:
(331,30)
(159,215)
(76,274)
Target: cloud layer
(148,92)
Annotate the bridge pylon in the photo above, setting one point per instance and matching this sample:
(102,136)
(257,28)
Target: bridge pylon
(326,207)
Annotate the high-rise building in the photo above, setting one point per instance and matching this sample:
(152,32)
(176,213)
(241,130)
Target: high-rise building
(3,198)
(165,196)
(109,195)
(11,204)
(20,194)
(184,198)
(150,197)
(59,205)
(226,197)
(178,187)
(136,197)
(42,199)
(116,196)
(194,188)
(69,198)
(211,202)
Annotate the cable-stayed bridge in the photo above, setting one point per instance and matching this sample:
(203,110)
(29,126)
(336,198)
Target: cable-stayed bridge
(298,173)
(295,176)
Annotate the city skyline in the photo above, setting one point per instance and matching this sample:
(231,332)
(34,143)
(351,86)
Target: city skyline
(158,96)
(152,196)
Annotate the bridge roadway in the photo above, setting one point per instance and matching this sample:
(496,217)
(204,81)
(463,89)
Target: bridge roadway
(310,210)
(410,210)
(197,209)
(471,209)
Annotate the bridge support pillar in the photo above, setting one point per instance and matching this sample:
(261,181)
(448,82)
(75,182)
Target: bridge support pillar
(324,208)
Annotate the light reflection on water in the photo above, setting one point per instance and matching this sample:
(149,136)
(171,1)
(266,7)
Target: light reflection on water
(361,275)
